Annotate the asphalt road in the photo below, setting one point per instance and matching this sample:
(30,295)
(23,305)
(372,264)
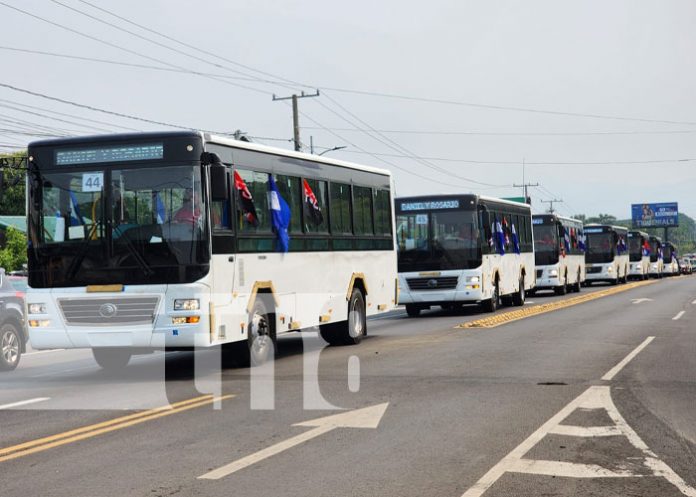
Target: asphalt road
(519,409)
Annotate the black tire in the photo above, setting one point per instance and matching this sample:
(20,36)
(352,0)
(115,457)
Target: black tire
(111,358)
(576,286)
(412,310)
(521,295)
(492,304)
(353,329)
(10,347)
(615,281)
(563,289)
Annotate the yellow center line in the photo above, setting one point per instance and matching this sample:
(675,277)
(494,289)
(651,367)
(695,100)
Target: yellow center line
(508,317)
(94,430)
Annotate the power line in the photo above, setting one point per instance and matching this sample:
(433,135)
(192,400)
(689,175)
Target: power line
(513,133)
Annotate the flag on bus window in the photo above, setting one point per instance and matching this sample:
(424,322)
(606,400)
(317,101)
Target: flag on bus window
(581,241)
(500,236)
(566,240)
(506,232)
(515,241)
(246,202)
(646,248)
(312,209)
(160,209)
(621,245)
(280,215)
(76,218)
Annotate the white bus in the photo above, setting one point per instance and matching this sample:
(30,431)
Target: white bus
(463,249)
(656,262)
(606,256)
(638,255)
(559,253)
(669,259)
(179,240)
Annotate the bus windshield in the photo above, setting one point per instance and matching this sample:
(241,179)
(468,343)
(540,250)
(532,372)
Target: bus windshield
(635,248)
(654,250)
(131,226)
(667,254)
(600,247)
(438,241)
(546,244)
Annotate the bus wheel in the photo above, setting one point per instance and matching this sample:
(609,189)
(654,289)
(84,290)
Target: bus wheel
(352,330)
(111,358)
(261,334)
(491,305)
(519,297)
(563,289)
(576,286)
(412,310)
(10,347)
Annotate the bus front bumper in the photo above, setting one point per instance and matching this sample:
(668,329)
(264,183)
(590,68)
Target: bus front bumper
(600,272)
(547,278)
(443,287)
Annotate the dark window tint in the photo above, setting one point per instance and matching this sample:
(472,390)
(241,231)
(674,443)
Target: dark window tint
(340,208)
(257,184)
(362,208)
(289,188)
(382,212)
(316,220)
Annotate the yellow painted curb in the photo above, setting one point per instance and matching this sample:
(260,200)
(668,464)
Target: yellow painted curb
(525,312)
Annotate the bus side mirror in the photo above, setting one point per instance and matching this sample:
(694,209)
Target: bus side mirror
(219,189)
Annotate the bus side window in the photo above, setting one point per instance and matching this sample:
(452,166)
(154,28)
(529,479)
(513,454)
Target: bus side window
(362,210)
(316,221)
(257,184)
(382,212)
(340,209)
(220,215)
(289,188)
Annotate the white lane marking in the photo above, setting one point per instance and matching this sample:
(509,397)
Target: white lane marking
(367,417)
(51,373)
(596,397)
(615,370)
(678,316)
(638,301)
(694,302)
(585,431)
(24,402)
(42,352)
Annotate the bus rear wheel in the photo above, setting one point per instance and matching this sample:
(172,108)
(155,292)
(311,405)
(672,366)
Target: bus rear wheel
(352,330)
(576,286)
(519,297)
(111,358)
(492,304)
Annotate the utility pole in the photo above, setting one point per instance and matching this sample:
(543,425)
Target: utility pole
(296,114)
(524,185)
(551,202)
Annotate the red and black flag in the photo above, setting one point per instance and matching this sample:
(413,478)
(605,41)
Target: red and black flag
(312,209)
(246,202)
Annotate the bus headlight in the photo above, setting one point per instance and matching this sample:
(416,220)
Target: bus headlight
(553,273)
(473,279)
(187,304)
(610,269)
(37,308)
(654,266)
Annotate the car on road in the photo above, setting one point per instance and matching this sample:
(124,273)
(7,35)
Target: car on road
(13,333)
(686,266)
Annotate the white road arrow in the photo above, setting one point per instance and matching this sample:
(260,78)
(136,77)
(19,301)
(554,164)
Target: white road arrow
(367,417)
(638,301)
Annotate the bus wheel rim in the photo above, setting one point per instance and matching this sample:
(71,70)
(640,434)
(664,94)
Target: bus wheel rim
(259,333)
(356,325)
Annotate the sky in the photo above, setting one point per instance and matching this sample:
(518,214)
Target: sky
(594,97)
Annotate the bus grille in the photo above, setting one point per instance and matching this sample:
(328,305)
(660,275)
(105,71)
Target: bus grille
(440,283)
(109,311)
(591,270)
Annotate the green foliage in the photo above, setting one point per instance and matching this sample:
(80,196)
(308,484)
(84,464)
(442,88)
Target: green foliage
(13,194)
(15,252)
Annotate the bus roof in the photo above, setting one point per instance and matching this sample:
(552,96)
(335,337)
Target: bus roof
(641,233)
(609,226)
(472,196)
(569,220)
(222,140)
(206,137)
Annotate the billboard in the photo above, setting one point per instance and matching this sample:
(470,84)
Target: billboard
(655,215)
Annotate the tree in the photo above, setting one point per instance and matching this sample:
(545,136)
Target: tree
(12,203)
(15,252)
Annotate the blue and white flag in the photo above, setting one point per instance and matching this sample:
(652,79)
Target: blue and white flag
(160,210)
(646,249)
(621,245)
(76,218)
(280,215)
(581,241)
(515,241)
(500,237)
(566,240)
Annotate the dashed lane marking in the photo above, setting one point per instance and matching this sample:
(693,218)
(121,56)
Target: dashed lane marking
(526,312)
(596,397)
(24,403)
(678,316)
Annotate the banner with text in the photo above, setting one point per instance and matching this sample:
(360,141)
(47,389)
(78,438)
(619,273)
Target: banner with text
(655,215)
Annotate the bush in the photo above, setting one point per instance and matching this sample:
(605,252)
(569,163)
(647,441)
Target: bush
(15,252)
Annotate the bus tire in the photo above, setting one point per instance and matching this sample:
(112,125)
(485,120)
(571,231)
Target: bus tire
(578,284)
(519,297)
(562,289)
(10,347)
(492,304)
(261,334)
(111,358)
(353,329)
(412,310)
